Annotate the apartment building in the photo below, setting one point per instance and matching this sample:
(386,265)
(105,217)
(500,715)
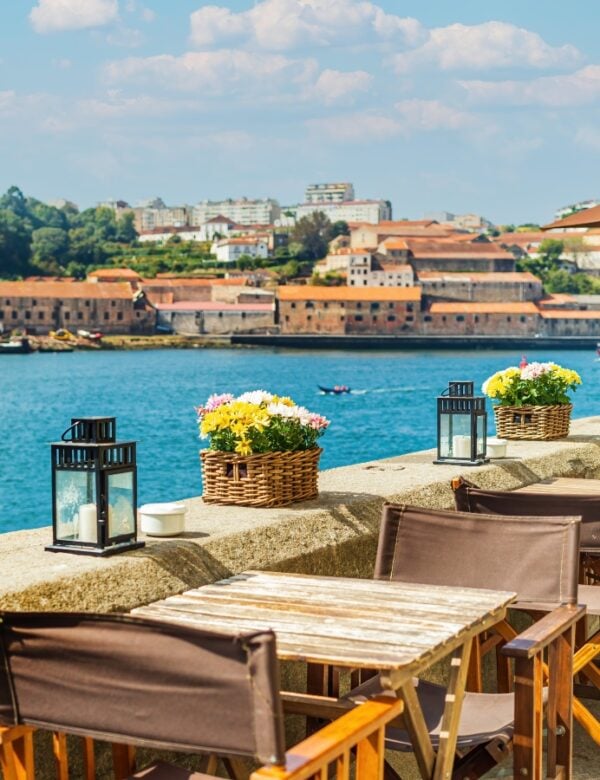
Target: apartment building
(368,211)
(39,307)
(348,310)
(336,192)
(243,211)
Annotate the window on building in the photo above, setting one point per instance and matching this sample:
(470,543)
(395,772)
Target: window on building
(409,318)
(7,302)
(287,317)
(443,318)
(391,318)
(508,319)
(87,303)
(390,305)
(113,303)
(15,315)
(79,315)
(351,281)
(309,318)
(460,318)
(409,307)
(40,315)
(523,319)
(106,315)
(427,318)
(325,305)
(119,315)
(359,305)
(34,302)
(342,318)
(243,315)
(476,318)
(138,314)
(374,307)
(67,315)
(374,318)
(220,314)
(1,314)
(358,317)
(309,305)
(27,315)
(293,305)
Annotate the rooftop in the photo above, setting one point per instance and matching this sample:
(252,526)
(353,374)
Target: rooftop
(306,292)
(468,277)
(581,219)
(213,306)
(487,307)
(111,290)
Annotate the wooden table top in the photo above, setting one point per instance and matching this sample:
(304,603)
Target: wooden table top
(564,485)
(338,620)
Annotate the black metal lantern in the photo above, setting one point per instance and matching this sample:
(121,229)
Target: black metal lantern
(94,490)
(461,426)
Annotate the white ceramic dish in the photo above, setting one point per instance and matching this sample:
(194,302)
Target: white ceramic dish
(162,519)
(496,448)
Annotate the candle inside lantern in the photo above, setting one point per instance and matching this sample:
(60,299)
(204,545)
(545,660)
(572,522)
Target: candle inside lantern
(88,530)
(461,447)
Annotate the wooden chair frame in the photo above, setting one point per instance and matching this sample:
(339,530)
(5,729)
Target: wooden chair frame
(360,731)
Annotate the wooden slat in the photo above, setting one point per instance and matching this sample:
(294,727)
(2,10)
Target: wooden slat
(59,746)
(455,692)
(528,717)
(565,485)
(540,634)
(560,704)
(350,622)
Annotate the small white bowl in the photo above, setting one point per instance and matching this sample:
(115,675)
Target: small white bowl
(496,448)
(162,519)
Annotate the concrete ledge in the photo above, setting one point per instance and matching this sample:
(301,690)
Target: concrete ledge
(335,534)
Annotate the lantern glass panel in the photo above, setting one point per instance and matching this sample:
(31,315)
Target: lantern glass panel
(121,504)
(460,435)
(481,435)
(76,515)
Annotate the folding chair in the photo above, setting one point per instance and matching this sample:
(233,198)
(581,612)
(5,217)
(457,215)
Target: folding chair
(470,498)
(131,681)
(488,551)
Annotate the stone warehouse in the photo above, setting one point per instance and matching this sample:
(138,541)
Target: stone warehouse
(484,319)
(510,286)
(40,307)
(192,318)
(348,310)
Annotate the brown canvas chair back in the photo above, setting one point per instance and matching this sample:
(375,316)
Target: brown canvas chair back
(535,557)
(470,498)
(138,681)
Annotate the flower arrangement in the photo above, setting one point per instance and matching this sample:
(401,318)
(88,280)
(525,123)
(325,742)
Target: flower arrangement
(258,422)
(532,384)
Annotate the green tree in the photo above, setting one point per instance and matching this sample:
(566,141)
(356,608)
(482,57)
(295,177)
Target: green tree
(290,270)
(15,251)
(339,228)
(311,232)
(49,243)
(126,231)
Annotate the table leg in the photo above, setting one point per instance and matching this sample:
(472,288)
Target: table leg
(451,718)
(417,729)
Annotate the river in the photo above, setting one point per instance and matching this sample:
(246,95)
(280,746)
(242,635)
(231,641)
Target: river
(391,410)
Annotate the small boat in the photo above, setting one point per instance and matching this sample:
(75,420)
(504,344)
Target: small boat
(85,334)
(15,347)
(335,390)
(62,334)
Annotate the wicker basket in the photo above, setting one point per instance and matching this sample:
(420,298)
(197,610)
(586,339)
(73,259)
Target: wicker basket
(268,479)
(533,422)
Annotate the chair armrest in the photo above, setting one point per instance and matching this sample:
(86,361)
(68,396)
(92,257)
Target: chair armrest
(335,740)
(538,636)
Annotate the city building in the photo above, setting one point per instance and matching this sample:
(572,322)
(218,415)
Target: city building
(371,236)
(369,211)
(243,211)
(574,322)
(574,208)
(448,255)
(508,286)
(228,250)
(115,275)
(337,192)
(215,318)
(161,235)
(148,219)
(348,310)
(483,319)
(39,307)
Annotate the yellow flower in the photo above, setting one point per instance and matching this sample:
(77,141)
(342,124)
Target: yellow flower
(243,447)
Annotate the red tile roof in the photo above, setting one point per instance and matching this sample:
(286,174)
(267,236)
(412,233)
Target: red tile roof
(569,314)
(125,274)
(488,307)
(490,277)
(585,218)
(213,306)
(111,290)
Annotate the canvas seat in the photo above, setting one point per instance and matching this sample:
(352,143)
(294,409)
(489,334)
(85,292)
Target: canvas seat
(457,548)
(470,498)
(133,681)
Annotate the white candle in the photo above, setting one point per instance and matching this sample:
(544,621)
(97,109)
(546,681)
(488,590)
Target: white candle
(88,530)
(461,447)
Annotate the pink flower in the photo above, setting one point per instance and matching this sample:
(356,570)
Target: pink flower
(318,422)
(213,402)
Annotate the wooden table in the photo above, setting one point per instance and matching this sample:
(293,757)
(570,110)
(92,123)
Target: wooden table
(400,629)
(565,485)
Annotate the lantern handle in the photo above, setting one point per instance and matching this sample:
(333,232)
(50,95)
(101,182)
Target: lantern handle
(69,429)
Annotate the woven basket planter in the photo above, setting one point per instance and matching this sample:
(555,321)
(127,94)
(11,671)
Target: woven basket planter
(268,479)
(533,422)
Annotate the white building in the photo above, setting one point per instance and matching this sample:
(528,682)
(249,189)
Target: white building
(337,192)
(363,268)
(161,234)
(371,211)
(218,227)
(242,211)
(229,250)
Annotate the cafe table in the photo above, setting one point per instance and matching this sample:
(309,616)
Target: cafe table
(399,629)
(575,486)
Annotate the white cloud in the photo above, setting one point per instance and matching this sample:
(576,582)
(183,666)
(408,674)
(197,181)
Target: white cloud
(280,25)
(333,86)
(214,73)
(7,100)
(432,115)
(574,89)
(57,15)
(127,37)
(115,106)
(488,45)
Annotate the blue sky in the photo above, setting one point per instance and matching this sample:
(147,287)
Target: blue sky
(466,106)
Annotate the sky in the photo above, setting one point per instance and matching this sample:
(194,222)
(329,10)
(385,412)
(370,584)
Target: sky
(486,107)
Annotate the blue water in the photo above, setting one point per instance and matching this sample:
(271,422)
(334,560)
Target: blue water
(153,395)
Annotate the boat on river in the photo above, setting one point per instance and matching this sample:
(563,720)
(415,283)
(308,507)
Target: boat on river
(15,347)
(335,390)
